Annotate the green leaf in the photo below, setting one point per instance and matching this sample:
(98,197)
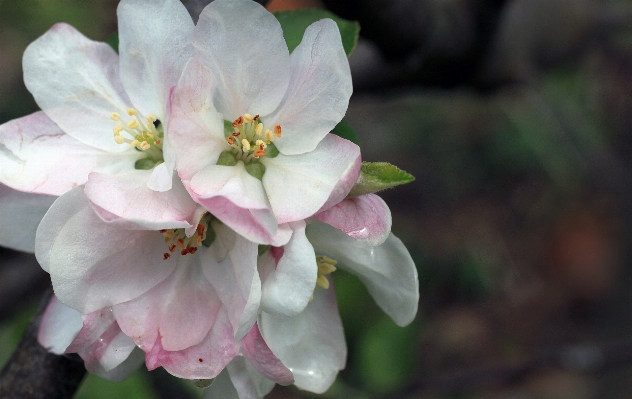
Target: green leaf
(377,176)
(344,130)
(113,41)
(295,22)
(145,163)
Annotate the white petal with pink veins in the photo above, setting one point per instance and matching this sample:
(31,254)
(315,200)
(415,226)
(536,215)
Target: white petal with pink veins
(126,198)
(286,289)
(37,156)
(153,46)
(366,218)
(299,185)
(94,264)
(319,90)
(21,213)
(243,45)
(76,82)
(387,270)
(237,199)
(311,344)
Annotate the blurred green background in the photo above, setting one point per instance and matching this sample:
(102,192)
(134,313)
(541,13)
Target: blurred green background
(520,140)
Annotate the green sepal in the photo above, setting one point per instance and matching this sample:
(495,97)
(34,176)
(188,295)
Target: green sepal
(343,129)
(145,164)
(271,150)
(228,128)
(262,249)
(227,158)
(295,22)
(256,169)
(377,176)
(113,41)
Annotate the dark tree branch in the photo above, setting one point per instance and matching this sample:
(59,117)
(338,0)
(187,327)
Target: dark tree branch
(34,373)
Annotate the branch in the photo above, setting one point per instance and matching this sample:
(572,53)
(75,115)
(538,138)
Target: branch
(34,373)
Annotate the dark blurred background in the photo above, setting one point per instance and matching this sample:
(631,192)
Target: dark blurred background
(514,116)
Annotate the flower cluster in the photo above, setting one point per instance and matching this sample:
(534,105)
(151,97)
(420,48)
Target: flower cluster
(203,203)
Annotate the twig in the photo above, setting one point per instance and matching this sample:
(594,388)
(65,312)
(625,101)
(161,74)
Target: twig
(34,373)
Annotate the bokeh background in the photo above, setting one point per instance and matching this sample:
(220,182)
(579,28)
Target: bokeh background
(514,116)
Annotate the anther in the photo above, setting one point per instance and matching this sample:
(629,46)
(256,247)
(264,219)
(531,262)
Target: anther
(119,139)
(259,129)
(238,122)
(132,112)
(230,140)
(115,116)
(277,130)
(144,146)
(245,144)
(166,256)
(248,118)
(133,124)
(268,135)
(323,282)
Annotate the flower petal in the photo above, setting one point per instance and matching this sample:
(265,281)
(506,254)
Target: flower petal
(37,156)
(287,289)
(237,199)
(111,355)
(21,213)
(59,327)
(299,185)
(202,361)
(153,46)
(94,325)
(180,310)
(243,45)
(125,197)
(196,130)
(387,270)
(248,382)
(311,344)
(94,264)
(319,90)
(76,82)
(263,360)
(235,277)
(366,218)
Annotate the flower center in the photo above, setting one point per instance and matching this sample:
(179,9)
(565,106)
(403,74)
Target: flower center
(143,135)
(177,238)
(249,139)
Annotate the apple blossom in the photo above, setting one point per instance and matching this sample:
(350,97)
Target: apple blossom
(250,122)
(87,92)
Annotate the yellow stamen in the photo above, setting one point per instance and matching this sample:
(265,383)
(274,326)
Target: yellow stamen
(277,130)
(132,112)
(133,124)
(115,116)
(259,129)
(268,135)
(246,144)
(247,118)
(322,282)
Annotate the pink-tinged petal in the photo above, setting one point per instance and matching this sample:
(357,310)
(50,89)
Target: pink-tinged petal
(237,199)
(125,197)
(319,90)
(161,178)
(76,82)
(366,218)
(111,355)
(153,46)
(311,344)
(260,356)
(180,310)
(94,325)
(243,45)
(94,264)
(21,213)
(234,275)
(344,185)
(59,327)
(299,185)
(387,270)
(222,387)
(196,130)
(39,157)
(287,289)
(247,381)
(202,361)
